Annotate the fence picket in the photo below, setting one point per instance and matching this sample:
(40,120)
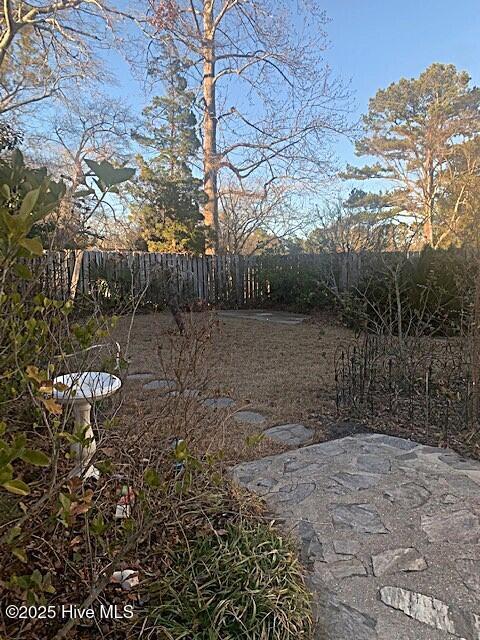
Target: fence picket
(234,280)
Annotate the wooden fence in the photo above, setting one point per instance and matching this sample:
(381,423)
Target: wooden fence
(227,280)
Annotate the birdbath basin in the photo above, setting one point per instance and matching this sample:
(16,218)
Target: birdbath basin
(80,390)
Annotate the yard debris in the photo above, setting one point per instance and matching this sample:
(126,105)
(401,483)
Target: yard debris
(127,579)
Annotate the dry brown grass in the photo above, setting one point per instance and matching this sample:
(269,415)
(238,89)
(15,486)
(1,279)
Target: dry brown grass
(284,372)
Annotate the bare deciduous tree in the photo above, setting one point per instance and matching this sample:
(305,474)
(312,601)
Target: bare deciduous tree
(255,219)
(341,229)
(97,129)
(46,46)
(269,102)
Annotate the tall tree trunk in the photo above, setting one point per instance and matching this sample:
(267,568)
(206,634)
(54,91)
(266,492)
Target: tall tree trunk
(210,185)
(430,205)
(428,229)
(476,347)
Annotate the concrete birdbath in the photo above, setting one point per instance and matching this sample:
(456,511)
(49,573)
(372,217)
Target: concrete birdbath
(82,389)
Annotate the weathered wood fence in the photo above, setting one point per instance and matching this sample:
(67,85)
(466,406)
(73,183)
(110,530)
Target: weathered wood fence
(227,280)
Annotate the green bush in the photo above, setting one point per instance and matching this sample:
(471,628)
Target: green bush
(115,286)
(242,583)
(295,286)
(435,292)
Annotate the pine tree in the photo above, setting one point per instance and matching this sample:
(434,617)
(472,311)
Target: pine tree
(166,194)
(412,129)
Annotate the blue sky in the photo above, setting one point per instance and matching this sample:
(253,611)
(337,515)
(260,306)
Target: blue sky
(376,42)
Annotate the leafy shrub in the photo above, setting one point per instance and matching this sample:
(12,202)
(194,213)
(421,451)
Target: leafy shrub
(58,533)
(241,582)
(116,287)
(431,294)
(295,286)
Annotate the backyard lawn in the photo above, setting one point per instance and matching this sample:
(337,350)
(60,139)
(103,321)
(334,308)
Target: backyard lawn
(284,372)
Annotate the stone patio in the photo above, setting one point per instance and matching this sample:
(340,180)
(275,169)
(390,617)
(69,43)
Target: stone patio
(389,530)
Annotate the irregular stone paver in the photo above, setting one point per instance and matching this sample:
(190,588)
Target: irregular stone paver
(469,572)
(336,620)
(291,434)
(372,464)
(394,560)
(139,376)
(346,547)
(274,317)
(251,417)
(346,568)
(460,525)
(434,612)
(311,547)
(408,495)
(362,518)
(218,403)
(355,481)
(156,385)
(381,513)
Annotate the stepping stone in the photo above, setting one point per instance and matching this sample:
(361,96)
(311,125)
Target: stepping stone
(156,385)
(362,518)
(139,376)
(250,417)
(218,403)
(434,612)
(393,560)
(275,317)
(291,434)
(186,393)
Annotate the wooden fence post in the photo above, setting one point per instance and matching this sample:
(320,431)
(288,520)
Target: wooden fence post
(76,274)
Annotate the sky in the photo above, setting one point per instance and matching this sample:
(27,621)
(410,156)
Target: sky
(376,42)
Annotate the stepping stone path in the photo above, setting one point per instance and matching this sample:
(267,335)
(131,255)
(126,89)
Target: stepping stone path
(273,317)
(291,434)
(139,376)
(250,417)
(186,393)
(156,385)
(389,531)
(218,403)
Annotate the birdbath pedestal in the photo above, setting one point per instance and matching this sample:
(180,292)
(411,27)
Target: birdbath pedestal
(81,390)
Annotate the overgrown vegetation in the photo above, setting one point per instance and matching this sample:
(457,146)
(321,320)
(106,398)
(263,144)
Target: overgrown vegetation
(420,389)
(429,294)
(242,582)
(295,285)
(62,540)
(413,367)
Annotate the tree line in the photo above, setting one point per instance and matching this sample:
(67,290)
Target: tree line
(234,149)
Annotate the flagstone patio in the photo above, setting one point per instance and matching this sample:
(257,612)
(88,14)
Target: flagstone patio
(389,530)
